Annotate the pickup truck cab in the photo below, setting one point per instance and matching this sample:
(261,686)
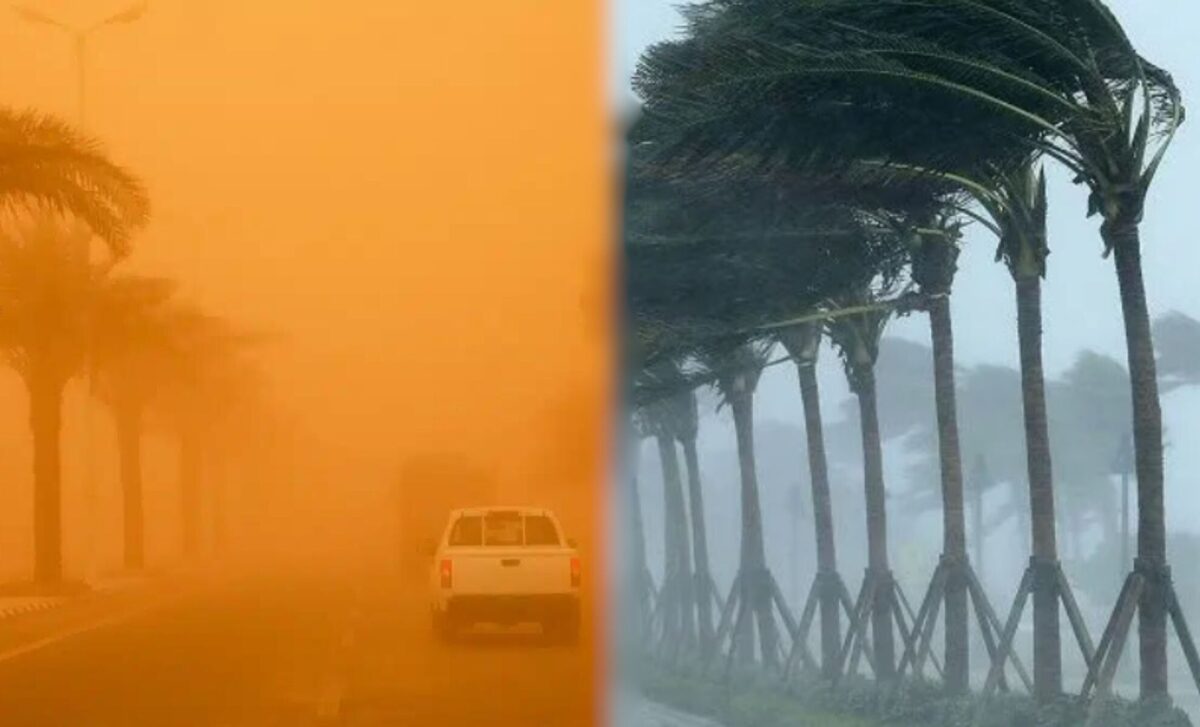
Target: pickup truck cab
(506,566)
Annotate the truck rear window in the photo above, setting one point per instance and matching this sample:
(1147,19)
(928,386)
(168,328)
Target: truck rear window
(467,531)
(540,530)
(502,528)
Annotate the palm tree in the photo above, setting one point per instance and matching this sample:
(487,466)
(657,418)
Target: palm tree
(641,581)
(44,162)
(1068,81)
(679,621)
(1177,336)
(857,340)
(855,153)
(49,289)
(205,377)
(803,343)
(736,367)
(140,350)
(685,415)
(57,312)
(934,263)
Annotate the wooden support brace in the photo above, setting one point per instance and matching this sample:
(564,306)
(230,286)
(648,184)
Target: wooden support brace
(800,638)
(867,607)
(1075,617)
(738,624)
(1004,648)
(920,623)
(906,636)
(1184,634)
(899,593)
(984,605)
(727,614)
(1106,638)
(1112,656)
(926,645)
(844,598)
(855,631)
(716,594)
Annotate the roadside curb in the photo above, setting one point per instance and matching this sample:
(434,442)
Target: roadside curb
(13,606)
(32,605)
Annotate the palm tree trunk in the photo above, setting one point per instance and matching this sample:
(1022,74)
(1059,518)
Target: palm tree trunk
(1148,457)
(1047,654)
(876,502)
(703,577)
(954,524)
(676,547)
(129,450)
(753,551)
(189,485)
(818,470)
(45,422)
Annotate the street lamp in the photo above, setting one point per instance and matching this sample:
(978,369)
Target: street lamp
(79,37)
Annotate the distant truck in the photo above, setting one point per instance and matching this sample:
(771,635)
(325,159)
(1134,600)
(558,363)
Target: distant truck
(430,487)
(505,566)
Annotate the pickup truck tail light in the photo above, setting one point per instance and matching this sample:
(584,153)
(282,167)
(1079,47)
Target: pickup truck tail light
(576,572)
(446,571)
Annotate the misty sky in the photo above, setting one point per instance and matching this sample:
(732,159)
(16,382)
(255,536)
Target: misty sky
(1080,301)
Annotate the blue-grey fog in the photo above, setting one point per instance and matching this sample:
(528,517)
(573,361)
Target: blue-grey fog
(1084,335)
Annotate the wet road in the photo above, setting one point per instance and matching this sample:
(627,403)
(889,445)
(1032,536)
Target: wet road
(290,652)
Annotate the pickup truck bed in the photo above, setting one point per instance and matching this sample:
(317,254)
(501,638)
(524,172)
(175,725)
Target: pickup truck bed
(505,566)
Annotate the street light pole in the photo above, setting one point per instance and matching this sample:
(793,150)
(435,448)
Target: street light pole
(79,38)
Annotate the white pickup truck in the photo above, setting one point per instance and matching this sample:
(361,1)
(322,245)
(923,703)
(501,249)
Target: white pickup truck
(505,566)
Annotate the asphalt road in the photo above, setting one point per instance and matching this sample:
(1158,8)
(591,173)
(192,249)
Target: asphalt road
(291,652)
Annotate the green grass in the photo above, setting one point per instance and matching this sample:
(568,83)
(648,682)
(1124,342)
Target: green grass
(752,699)
(740,706)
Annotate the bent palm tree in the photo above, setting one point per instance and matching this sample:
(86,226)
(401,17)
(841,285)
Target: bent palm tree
(1074,88)
(803,343)
(45,163)
(857,340)
(934,263)
(679,620)
(685,416)
(736,367)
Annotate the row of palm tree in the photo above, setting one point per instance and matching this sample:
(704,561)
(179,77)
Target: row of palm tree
(64,316)
(805,166)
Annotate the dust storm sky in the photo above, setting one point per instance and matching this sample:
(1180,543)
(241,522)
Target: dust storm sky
(353,179)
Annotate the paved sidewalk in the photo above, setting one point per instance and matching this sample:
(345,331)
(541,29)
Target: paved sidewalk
(651,714)
(633,710)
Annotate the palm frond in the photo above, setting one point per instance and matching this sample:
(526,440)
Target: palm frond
(45,164)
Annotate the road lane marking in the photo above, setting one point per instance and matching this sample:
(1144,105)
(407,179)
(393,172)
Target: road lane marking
(329,703)
(78,631)
(332,688)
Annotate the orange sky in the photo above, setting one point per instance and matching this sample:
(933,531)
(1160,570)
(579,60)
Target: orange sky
(406,193)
